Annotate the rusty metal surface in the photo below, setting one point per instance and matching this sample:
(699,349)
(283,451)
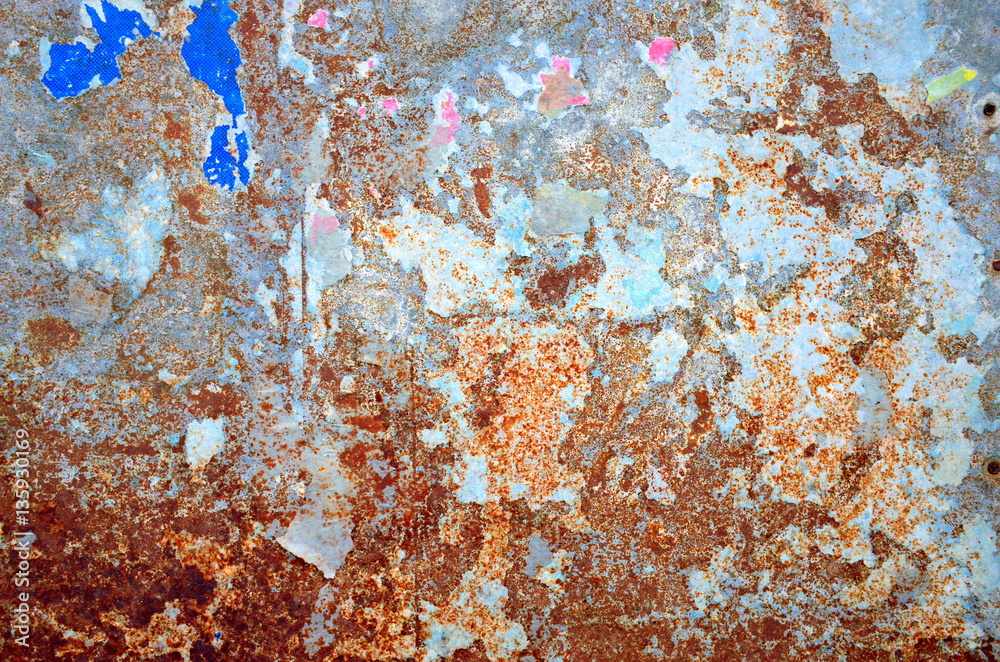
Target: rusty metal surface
(500,330)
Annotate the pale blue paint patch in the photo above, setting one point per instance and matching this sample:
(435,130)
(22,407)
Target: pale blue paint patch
(442,250)
(977,550)
(749,227)
(539,555)
(434,437)
(443,639)
(493,595)
(888,39)
(631,285)
(513,82)
(947,260)
(513,215)
(703,154)
(72,69)
(475,482)
(719,276)
(645,285)
(204,439)
(126,242)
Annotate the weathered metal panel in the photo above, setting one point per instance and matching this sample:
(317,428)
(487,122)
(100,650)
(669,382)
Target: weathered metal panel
(500,330)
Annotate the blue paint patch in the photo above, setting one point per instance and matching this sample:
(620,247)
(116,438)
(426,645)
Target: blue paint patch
(213,58)
(73,68)
(222,167)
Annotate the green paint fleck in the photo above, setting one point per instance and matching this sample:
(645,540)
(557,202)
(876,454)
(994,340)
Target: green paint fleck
(945,85)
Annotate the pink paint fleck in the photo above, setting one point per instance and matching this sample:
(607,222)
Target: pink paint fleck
(362,111)
(390,105)
(318,20)
(451,121)
(372,191)
(660,50)
(371,64)
(323,225)
(562,64)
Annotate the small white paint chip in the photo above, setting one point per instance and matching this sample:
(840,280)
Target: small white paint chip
(513,82)
(474,480)
(666,351)
(322,542)
(203,440)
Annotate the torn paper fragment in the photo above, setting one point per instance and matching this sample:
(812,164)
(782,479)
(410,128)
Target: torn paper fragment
(561,91)
(561,209)
(203,440)
(321,542)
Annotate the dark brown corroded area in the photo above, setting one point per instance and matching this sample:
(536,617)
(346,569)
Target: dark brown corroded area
(355,410)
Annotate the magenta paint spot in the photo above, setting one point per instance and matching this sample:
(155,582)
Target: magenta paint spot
(371,64)
(371,190)
(390,105)
(582,100)
(318,20)
(562,64)
(445,132)
(323,225)
(362,111)
(660,50)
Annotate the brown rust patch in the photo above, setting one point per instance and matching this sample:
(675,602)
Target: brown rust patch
(214,401)
(701,425)
(887,135)
(32,202)
(524,427)
(554,285)
(50,335)
(190,199)
(367,423)
(174,130)
(481,189)
(879,291)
